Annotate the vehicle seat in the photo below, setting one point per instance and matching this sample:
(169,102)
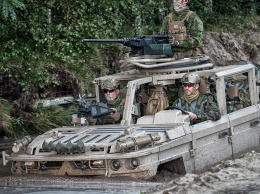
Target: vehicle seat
(232,92)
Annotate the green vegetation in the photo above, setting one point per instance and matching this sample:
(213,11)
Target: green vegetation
(38,35)
(235,17)
(42,119)
(5,116)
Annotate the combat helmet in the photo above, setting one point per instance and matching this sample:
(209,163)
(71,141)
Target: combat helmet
(110,83)
(191,77)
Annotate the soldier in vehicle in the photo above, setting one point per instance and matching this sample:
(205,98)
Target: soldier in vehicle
(111,91)
(237,97)
(186,29)
(199,107)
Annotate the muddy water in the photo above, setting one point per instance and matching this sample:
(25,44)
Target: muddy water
(9,190)
(42,184)
(240,176)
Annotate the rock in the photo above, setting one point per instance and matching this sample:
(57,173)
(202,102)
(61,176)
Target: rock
(223,49)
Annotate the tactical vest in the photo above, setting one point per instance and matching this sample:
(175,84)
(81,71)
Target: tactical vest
(178,28)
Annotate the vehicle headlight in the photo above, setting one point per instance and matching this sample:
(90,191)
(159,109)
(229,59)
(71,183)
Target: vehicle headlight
(134,163)
(43,167)
(115,164)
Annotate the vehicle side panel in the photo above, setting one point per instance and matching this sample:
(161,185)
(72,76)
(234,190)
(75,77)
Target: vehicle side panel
(211,143)
(245,130)
(178,149)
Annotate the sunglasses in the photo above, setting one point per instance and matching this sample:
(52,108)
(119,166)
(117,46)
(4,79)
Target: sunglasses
(108,90)
(189,85)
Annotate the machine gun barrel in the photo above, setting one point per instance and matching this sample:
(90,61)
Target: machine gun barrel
(121,40)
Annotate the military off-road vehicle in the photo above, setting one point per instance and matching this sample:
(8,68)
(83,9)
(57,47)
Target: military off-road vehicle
(144,142)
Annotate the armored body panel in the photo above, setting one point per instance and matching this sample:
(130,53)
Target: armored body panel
(143,142)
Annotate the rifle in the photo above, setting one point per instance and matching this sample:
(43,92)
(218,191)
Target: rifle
(142,45)
(96,110)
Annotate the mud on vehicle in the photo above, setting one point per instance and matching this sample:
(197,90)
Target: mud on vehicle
(144,142)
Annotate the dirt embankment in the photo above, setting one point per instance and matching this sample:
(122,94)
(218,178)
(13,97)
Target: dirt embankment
(223,49)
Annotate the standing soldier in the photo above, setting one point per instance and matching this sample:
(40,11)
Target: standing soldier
(199,107)
(111,91)
(186,29)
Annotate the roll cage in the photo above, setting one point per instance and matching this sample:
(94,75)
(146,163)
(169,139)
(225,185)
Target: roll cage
(136,79)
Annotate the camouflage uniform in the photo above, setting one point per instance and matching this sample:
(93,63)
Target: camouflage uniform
(194,30)
(117,104)
(175,91)
(202,106)
(231,108)
(244,96)
(243,99)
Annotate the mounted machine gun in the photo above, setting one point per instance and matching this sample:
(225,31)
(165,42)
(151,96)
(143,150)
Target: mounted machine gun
(142,45)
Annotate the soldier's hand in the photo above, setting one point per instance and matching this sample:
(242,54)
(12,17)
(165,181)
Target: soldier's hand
(173,42)
(192,116)
(115,115)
